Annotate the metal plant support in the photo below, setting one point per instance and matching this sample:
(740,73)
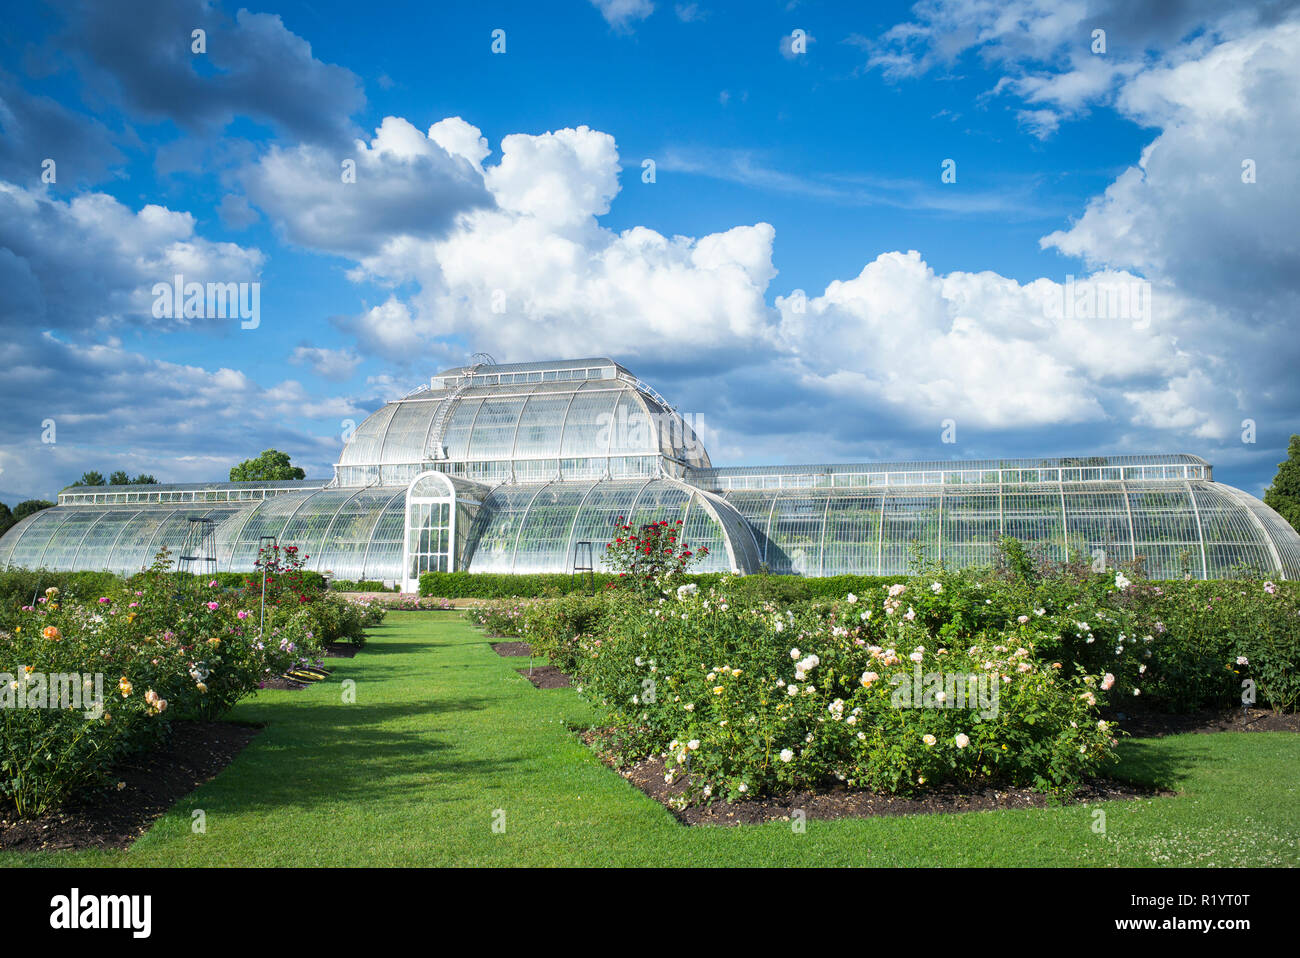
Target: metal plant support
(583,564)
(262,547)
(199,551)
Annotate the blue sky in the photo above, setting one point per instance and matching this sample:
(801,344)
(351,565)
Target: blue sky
(776,170)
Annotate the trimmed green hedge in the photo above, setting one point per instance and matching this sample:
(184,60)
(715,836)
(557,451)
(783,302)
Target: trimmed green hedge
(358,585)
(493,585)
(778,588)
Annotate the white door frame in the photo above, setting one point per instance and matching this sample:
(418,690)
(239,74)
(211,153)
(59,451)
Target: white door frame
(413,584)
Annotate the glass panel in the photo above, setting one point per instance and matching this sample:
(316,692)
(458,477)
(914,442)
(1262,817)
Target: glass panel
(383,560)
(367,440)
(590,423)
(911,524)
(36,536)
(970,529)
(1097,520)
(795,535)
(540,426)
(456,438)
(1165,527)
(1035,519)
(494,432)
(407,431)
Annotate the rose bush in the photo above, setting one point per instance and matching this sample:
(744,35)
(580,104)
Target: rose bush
(161,646)
(751,699)
(555,628)
(745,695)
(649,556)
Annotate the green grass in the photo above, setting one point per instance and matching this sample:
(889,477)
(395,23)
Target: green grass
(444,732)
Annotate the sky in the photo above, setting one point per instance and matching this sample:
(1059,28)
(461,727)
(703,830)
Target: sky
(827,232)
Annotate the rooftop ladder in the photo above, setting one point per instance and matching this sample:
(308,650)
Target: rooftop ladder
(437,431)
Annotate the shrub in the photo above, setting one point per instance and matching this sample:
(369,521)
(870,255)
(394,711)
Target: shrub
(748,699)
(329,619)
(359,585)
(776,588)
(556,628)
(491,585)
(648,556)
(164,646)
(411,603)
(1170,646)
(505,617)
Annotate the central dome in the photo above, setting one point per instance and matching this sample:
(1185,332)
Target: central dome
(523,421)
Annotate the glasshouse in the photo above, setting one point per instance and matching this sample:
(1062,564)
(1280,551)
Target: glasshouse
(527,467)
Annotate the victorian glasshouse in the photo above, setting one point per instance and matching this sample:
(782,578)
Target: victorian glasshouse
(527,467)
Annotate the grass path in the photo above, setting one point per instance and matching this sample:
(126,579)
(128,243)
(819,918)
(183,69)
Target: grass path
(444,732)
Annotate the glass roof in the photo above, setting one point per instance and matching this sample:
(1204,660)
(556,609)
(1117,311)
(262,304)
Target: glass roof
(954,471)
(544,420)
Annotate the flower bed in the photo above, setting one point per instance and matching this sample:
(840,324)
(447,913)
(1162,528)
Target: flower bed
(382,602)
(84,681)
(751,700)
(940,679)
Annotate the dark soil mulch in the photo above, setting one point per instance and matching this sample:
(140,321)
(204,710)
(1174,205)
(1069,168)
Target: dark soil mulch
(194,753)
(512,648)
(840,801)
(546,677)
(341,650)
(1160,724)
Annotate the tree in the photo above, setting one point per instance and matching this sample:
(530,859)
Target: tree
(1284,495)
(91,479)
(6,518)
(28,506)
(271,465)
(120,478)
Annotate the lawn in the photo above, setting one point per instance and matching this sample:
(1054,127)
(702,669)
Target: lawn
(444,733)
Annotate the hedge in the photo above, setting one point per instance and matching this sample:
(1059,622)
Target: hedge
(495,585)
(779,588)
(358,585)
